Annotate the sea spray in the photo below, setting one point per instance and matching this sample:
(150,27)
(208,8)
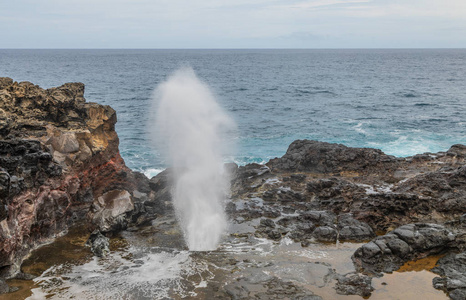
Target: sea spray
(189,125)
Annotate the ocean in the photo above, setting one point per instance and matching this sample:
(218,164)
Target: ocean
(404,101)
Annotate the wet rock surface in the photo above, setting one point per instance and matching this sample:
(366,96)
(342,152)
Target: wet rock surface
(3,287)
(271,288)
(99,244)
(452,269)
(354,284)
(409,242)
(320,192)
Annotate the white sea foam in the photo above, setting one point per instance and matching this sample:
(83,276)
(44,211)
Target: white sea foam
(151,172)
(152,276)
(405,145)
(358,128)
(189,126)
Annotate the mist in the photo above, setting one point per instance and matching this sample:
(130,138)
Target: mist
(189,126)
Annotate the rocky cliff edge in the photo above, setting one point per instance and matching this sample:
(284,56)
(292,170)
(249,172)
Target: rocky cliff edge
(59,164)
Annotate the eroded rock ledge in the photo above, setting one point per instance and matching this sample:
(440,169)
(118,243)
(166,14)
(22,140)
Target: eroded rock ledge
(60,164)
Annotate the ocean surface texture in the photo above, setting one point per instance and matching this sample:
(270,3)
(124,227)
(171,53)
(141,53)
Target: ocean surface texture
(401,101)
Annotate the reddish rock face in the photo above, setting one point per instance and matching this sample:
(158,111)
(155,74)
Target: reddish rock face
(58,154)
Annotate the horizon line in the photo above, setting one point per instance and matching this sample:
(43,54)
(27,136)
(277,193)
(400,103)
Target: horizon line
(265,48)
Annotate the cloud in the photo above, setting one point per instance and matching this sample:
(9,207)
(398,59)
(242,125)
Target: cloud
(320,4)
(231,23)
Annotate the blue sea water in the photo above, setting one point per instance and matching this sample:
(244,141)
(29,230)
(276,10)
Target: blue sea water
(403,101)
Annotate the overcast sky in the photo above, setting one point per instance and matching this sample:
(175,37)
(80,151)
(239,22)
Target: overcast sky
(233,23)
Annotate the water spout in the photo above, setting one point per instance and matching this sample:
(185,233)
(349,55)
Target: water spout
(190,123)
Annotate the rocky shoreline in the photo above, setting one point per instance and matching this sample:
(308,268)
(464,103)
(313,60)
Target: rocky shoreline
(332,193)
(60,164)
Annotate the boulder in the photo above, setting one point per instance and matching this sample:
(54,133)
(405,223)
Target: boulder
(354,284)
(325,234)
(99,244)
(350,229)
(321,157)
(409,242)
(110,211)
(452,269)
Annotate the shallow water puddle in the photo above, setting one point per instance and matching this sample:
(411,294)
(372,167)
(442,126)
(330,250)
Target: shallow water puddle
(138,270)
(411,281)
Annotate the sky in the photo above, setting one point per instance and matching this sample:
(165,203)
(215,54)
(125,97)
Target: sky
(233,24)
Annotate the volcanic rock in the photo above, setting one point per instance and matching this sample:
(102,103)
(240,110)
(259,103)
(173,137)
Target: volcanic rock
(452,269)
(319,157)
(379,190)
(110,211)
(354,284)
(271,288)
(99,244)
(58,156)
(409,242)
(4,288)
(350,229)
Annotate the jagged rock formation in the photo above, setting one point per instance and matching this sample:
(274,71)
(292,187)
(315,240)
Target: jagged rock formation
(452,269)
(328,192)
(59,163)
(389,252)
(354,284)
(379,190)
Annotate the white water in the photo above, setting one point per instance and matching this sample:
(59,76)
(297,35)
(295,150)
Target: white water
(156,276)
(190,123)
